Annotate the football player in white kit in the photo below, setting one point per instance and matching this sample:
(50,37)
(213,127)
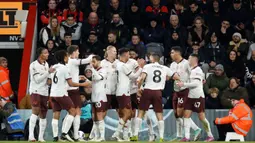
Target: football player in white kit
(73,92)
(196,99)
(109,65)
(98,97)
(180,95)
(125,74)
(39,73)
(135,99)
(60,79)
(153,77)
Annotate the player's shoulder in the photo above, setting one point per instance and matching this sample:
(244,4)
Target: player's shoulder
(132,61)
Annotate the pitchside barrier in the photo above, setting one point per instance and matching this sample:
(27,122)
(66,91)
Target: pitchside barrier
(111,122)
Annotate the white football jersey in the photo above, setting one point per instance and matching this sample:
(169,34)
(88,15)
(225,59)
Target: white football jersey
(183,70)
(59,81)
(98,85)
(156,76)
(111,76)
(133,64)
(123,81)
(73,66)
(195,83)
(38,78)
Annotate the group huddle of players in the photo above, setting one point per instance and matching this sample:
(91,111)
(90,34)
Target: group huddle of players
(126,84)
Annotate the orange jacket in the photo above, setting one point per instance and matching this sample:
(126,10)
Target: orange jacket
(5,85)
(240,118)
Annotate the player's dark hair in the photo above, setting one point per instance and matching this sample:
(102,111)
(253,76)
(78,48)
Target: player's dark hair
(123,51)
(72,49)
(96,57)
(195,55)
(177,49)
(60,56)
(68,34)
(39,51)
(155,56)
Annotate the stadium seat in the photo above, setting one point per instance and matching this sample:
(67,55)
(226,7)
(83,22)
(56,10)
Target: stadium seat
(234,136)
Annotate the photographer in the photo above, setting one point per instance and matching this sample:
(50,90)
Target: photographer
(10,120)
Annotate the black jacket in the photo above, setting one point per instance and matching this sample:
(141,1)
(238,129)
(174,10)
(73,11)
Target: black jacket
(96,48)
(251,93)
(87,27)
(235,69)
(212,103)
(214,54)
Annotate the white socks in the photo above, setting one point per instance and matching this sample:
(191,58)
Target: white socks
(120,126)
(54,124)
(92,132)
(101,128)
(42,127)
(193,125)
(187,127)
(161,128)
(76,126)
(149,124)
(207,127)
(67,123)
(138,122)
(179,127)
(126,130)
(32,123)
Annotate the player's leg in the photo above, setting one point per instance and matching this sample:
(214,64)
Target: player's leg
(43,120)
(100,114)
(151,132)
(138,121)
(201,115)
(54,124)
(134,103)
(35,102)
(93,133)
(178,112)
(158,109)
(67,104)
(127,114)
(187,124)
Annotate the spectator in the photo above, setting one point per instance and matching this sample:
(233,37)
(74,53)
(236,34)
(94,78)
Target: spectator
(177,9)
(175,27)
(239,119)
(250,31)
(88,75)
(234,91)
(117,26)
(250,67)
(52,31)
(70,26)
(157,11)
(234,67)
(77,14)
(92,24)
(67,41)
(225,33)
(86,114)
(251,49)
(5,85)
(114,8)
(251,91)
(196,49)
(198,32)
(134,15)
(214,16)
(52,11)
(137,45)
(189,16)
(238,16)
(112,40)
(239,45)
(154,32)
(217,80)
(214,55)
(212,101)
(97,8)
(92,46)
(51,49)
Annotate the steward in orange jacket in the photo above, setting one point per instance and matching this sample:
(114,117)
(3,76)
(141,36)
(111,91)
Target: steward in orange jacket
(5,85)
(239,120)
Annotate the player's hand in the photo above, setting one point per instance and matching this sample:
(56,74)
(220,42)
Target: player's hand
(82,77)
(180,84)
(176,76)
(139,93)
(51,70)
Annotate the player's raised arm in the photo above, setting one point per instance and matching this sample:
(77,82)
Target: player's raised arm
(73,52)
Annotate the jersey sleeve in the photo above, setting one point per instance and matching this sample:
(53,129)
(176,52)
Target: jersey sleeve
(145,69)
(169,72)
(67,74)
(97,75)
(126,70)
(37,75)
(197,74)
